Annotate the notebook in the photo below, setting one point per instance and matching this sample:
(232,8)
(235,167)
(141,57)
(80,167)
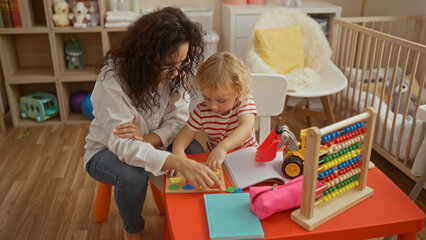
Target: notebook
(244,171)
(229,217)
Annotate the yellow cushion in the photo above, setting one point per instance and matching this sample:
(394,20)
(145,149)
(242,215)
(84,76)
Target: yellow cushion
(281,48)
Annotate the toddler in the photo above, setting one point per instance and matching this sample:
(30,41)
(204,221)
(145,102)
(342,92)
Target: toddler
(228,111)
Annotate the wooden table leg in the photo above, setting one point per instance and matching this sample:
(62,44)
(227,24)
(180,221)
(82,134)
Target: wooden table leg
(167,235)
(408,236)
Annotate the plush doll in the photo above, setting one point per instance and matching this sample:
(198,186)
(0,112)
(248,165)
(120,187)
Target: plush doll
(80,13)
(74,54)
(60,17)
(94,14)
(404,91)
(297,3)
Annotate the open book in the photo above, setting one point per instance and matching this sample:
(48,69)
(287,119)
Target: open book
(244,171)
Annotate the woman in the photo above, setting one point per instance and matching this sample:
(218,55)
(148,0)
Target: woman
(140,103)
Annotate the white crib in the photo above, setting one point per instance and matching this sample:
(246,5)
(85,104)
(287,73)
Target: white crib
(376,52)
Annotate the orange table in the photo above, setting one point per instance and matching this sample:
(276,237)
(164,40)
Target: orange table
(388,212)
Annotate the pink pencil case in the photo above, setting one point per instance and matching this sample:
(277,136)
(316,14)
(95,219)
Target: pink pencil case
(267,200)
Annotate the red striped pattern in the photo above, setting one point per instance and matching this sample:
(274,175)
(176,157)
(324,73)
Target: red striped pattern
(218,127)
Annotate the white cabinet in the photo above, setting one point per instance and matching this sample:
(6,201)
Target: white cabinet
(238,20)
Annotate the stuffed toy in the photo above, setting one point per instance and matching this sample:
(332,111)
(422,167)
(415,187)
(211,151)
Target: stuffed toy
(94,14)
(297,3)
(404,91)
(60,17)
(80,13)
(74,54)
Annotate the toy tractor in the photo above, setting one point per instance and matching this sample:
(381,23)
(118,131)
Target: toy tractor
(293,153)
(293,160)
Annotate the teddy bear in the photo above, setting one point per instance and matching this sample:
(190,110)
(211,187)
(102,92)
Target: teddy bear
(79,15)
(402,101)
(94,14)
(60,17)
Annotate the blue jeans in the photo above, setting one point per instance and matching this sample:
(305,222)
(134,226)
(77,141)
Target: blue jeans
(130,184)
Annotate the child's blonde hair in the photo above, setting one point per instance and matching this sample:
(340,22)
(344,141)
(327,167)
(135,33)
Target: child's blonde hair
(224,72)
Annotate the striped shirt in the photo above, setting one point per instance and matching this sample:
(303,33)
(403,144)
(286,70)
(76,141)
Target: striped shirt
(218,127)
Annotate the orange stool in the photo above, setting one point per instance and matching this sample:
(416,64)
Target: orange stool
(103,201)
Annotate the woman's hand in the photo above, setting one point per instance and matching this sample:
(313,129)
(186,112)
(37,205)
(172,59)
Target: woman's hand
(197,174)
(216,158)
(129,130)
(172,173)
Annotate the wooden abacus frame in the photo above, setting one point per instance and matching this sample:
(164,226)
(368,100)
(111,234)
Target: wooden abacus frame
(309,215)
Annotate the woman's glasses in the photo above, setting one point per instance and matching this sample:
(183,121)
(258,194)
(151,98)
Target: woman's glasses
(168,71)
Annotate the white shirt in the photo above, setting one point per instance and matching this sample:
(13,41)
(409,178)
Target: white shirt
(112,107)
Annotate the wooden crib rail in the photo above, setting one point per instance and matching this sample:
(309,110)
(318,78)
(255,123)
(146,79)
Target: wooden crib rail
(374,52)
(382,19)
(378,33)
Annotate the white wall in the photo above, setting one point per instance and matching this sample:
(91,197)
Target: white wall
(395,7)
(213,4)
(350,8)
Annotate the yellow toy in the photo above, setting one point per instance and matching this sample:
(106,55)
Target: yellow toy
(293,153)
(294,160)
(60,17)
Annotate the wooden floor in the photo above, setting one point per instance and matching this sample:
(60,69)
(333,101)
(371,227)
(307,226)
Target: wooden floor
(44,193)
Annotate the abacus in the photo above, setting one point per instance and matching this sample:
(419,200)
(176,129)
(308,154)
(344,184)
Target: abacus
(342,167)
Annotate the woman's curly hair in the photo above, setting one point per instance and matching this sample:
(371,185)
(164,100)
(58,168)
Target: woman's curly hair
(148,41)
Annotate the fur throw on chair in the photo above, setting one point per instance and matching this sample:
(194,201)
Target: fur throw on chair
(316,48)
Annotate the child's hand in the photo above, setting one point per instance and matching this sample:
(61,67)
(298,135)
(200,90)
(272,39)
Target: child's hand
(216,158)
(129,130)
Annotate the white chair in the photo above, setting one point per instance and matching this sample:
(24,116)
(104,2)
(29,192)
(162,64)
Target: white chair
(332,81)
(320,78)
(269,91)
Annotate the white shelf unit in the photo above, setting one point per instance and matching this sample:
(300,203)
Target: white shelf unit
(238,20)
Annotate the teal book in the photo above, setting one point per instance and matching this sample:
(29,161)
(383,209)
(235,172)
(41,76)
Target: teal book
(229,217)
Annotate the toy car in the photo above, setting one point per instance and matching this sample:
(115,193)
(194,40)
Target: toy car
(39,106)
